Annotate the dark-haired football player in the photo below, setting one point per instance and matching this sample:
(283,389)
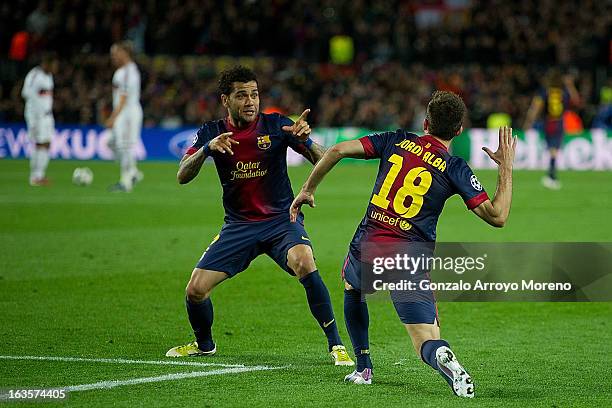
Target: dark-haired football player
(249,149)
(416,176)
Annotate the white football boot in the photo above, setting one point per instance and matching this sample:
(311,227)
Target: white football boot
(462,382)
(550,183)
(363,377)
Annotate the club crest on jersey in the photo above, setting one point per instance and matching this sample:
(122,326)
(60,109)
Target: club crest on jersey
(264,142)
(475,183)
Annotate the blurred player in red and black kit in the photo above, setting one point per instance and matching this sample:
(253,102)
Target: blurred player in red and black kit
(415,177)
(554,99)
(249,149)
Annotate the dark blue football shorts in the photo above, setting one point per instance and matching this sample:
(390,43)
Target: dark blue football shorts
(238,243)
(411,308)
(554,132)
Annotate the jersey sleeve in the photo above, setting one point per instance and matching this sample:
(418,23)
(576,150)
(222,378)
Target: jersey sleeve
(375,144)
(28,85)
(466,184)
(202,136)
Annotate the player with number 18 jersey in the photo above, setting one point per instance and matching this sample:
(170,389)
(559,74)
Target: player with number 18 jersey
(415,177)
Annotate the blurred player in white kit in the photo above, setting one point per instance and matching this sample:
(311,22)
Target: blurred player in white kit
(126,119)
(38,94)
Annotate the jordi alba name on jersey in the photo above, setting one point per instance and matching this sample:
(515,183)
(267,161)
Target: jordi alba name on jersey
(415,177)
(255,182)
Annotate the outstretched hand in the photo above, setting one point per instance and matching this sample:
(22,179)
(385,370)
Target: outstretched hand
(300,129)
(302,198)
(223,143)
(504,156)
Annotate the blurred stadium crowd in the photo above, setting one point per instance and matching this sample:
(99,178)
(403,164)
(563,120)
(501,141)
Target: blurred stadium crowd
(359,63)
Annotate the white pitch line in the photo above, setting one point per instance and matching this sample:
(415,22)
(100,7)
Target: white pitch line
(167,377)
(118,361)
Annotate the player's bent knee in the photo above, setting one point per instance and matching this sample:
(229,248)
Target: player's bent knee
(301,260)
(195,293)
(202,283)
(302,267)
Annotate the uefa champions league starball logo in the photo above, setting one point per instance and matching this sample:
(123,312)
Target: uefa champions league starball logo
(475,183)
(405,225)
(181,141)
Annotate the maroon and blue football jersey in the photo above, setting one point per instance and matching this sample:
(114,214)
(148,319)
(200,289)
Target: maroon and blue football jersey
(255,183)
(556,102)
(415,177)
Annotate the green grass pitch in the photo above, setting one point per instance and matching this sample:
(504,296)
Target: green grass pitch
(86,273)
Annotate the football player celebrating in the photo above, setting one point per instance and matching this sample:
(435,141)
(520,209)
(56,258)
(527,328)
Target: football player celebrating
(38,94)
(125,121)
(249,150)
(416,176)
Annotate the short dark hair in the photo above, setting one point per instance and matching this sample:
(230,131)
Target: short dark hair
(554,79)
(237,73)
(445,113)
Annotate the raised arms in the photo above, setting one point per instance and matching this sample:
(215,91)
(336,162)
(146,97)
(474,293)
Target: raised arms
(535,109)
(496,211)
(301,131)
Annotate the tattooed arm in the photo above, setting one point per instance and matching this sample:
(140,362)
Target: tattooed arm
(301,131)
(314,152)
(191,164)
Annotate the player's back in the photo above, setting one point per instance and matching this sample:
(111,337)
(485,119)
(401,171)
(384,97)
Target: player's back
(556,100)
(415,177)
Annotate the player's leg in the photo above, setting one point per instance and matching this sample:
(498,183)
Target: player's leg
(38,164)
(32,131)
(554,140)
(421,322)
(135,130)
(200,312)
(199,306)
(43,161)
(301,261)
(357,321)
(48,130)
(124,155)
(552,166)
(288,244)
(126,163)
(229,253)
(39,157)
